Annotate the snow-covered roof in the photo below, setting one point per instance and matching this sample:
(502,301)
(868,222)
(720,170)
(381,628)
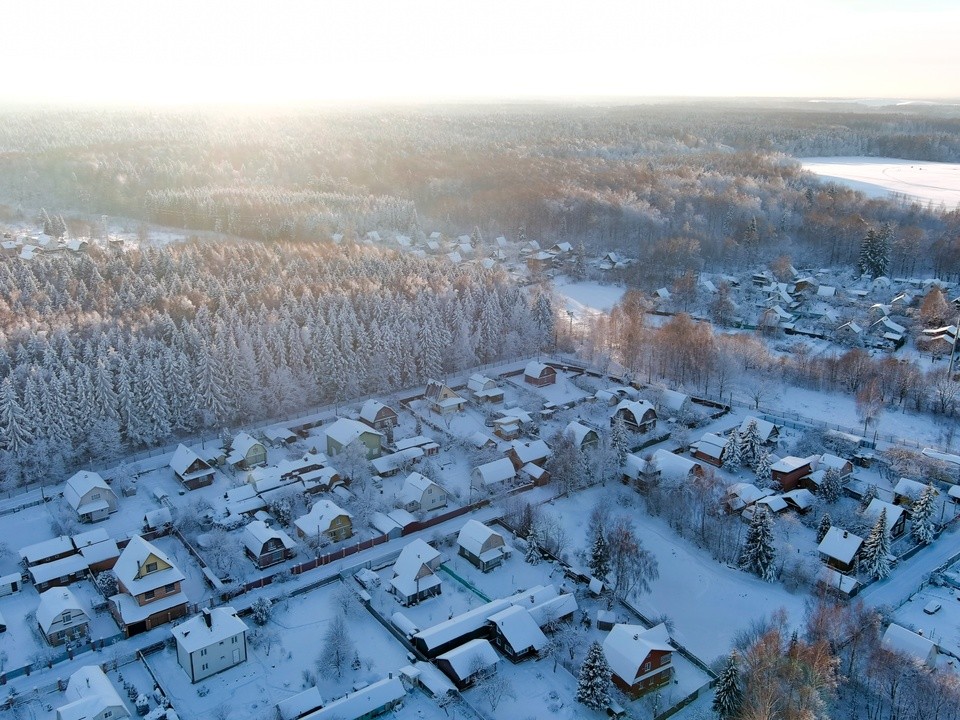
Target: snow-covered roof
(578,430)
(835,579)
(638,408)
(362,702)
(410,585)
(53,603)
(833,461)
(420,441)
(413,557)
(414,486)
(530,451)
(536,369)
(401,517)
(826,291)
(944,457)
(909,488)
(877,505)
(371,408)
(711,445)
(258,533)
(134,555)
(634,466)
(46,549)
(94,551)
(388,463)
(901,640)
(627,646)
(90,693)
(90,537)
(69,565)
(479,439)
(184,457)
(344,431)
(519,628)
(474,534)
(321,515)
(545,611)
(840,544)
(776,503)
(242,444)
(465,659)
(210,627)
(747,492)
(449,630)
(495,472)
(790,463)
(801,498)
(673,400)
(672,465)
(80,484)
(300,704)
(764,427)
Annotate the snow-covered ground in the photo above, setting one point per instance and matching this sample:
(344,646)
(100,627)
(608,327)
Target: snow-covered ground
(926,182)
(588,298)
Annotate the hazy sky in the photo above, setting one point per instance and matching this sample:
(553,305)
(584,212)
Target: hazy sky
(171,52)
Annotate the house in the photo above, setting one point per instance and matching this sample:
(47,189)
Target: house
(157,520)
(47,550)
(507,428)
(666,464)
(415,573)
(10,584)
(906,492)
(465,663)
(325,518)
(839,549)
(834,581)
(149,588)
(98,550)
(481,441)
(345,431)
(788,471)
(799,499)
(742,495)
(296,706)
(492,476)
(841,465)
(522,453)
(246,452)
(675,403)
(390,465)
(267,546)
(56,573)
(192,470)
(484,389)
(516,634)
(849,333)
(709,449)
(61,617)
(769,433)
(918,648)
(896,517)
(583,437)
(639,659)
(427,444)
(380,417)
(482,546)
(442,399)
(420,493)
(539,374)
(211,642)
(367,702)
(90,496)
(638,415)
(91,696)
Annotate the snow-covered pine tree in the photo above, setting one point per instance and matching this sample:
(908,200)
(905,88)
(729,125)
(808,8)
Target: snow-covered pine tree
(759,554)
(921,515)
(873,556)
(830,489)
(599,555)
(619,440)
(825,522)
(534,545)
(14,426)
(732,455)
(593,684)
(764,476)
(579,270)
(751,444)
(729,693)
(869,496)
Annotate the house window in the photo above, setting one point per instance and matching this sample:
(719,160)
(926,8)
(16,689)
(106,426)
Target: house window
(169,588)
(107,714)
(204,666)
(646,667)
(233,640)
(151,567)
(149,595)
(95,496)
(665,660)
(203,652)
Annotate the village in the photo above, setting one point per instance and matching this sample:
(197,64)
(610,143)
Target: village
(430,550)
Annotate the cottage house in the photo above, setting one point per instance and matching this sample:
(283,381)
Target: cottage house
(415,573)
(421,494)
(841,465)
(742,495)
(149,588)
(839,549)
(296,706)
(484,390)
(211,642)
(98,550)
(638,415)
(367,702)
(91,696)
(246,452)
(916,647)
(583,437)
(192,470)
(441,398)
(539,374)
(463,664)
(709,449)
(345,431)
(89,496)
(666,464)
(788,471)
(56,573)
(492,476)
(906,492)
(61,617)
(639,659)
(380,417)
(769,433)
(534,451)
(676,404)
(896,517)
(482,546)
(10,584)
(47,550)
(325,518)
(267,546)
(516,634)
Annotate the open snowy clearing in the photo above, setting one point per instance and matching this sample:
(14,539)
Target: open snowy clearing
(926,182)
(588,298)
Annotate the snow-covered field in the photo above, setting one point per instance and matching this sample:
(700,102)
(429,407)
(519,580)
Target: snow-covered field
(584,298)
(926,182)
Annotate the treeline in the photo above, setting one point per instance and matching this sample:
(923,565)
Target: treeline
(123,350)
(679,186)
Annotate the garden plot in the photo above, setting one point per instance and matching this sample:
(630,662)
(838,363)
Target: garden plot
(943,625)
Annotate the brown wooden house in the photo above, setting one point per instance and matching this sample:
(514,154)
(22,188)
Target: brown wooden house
(640,660)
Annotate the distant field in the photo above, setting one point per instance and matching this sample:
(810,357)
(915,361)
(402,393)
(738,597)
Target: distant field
(927,182)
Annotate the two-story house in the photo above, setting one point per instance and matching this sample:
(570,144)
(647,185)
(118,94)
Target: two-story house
(149,588)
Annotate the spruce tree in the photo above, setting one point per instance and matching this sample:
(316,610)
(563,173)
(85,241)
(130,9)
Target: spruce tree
(868,497)
(728,694)
(759,554)
(619,440)
(751,444)
(593,685)
(922,515)
(830,489)
(600,555)
(823,527)
(534,545)
(763,469)
(873,556)
(15,432)
(732,456)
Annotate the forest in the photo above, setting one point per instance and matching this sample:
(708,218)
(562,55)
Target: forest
(679,186)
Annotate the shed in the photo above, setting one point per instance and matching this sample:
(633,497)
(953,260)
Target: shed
(462,664)
(539,374)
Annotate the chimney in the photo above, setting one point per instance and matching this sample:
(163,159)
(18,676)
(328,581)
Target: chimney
(208,618)
(637,636)
(844,533)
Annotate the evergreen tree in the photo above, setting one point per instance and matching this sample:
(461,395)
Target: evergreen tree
(599,555)
(874,255)
(922,515)
(763,470)
(15,433)
(729,693)
(752,445)
(868,497)
(824,527)
(619,440)
(543,316)
(759,554)
(579,270)
(732,451)
(593,684)
(534,545)
(830,488)
(876,548)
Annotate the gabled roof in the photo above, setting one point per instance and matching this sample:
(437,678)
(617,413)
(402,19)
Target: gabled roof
(790,463)
(52,603)
(414,487)
(536,369)
(519,628)
(464,659)
(184,457)
(80,484)
(901,640)
(257,533)
(195,634)
(90,692)
(361,703)
(530,451)
(133,556)
(321,515)
(344,431)
(673,465)
(840,544)
(46,549)
(579,431)
(627,646)
(413,557)
(242,443)
(876,506)
(495,472)
(909,488)
(474,534)
(371,408)
(764,427)
(637,408)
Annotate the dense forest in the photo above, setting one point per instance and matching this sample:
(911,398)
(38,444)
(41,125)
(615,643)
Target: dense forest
(679,186)
(117,349)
